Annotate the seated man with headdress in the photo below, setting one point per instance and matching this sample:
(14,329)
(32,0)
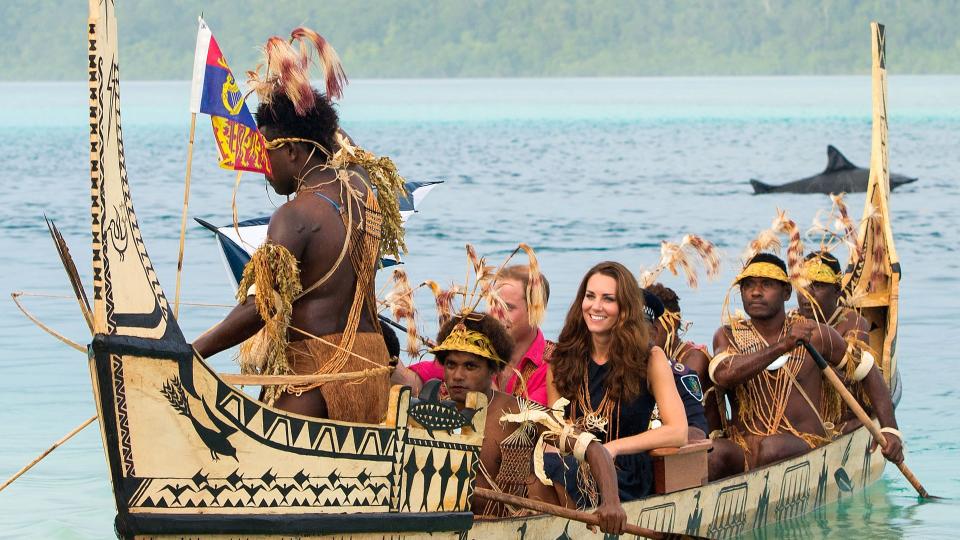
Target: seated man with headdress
(688,361)
(472,350)
(861,374)
(307,303)
(525,374)
(772,382)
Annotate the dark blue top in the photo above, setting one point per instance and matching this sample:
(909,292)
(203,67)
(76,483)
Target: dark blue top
(634,471)
(688,386)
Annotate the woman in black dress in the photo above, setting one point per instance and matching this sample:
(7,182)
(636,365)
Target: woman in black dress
(607,367)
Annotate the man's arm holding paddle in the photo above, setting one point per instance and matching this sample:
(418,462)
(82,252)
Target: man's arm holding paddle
(851,402)
(879,394)
(728,369)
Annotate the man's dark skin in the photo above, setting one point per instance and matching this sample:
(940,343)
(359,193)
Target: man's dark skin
(465,372)
(764,299)
(310,228)
(827,297)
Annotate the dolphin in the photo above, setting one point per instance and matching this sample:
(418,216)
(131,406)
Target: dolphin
(840,176)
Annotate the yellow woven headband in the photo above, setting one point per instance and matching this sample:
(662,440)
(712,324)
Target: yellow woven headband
(763,270)
(816,270)
(462,339)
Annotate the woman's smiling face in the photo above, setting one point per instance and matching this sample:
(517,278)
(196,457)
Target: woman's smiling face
(600,307)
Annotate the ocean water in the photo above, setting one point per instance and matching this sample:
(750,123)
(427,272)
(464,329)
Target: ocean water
(584,170)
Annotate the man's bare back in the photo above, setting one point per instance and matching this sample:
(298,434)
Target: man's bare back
(312,228)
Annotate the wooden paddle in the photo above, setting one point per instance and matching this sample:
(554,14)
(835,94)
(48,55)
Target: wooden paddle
(576,515)
(861,415)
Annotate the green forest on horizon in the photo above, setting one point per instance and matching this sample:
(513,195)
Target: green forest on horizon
(501,38)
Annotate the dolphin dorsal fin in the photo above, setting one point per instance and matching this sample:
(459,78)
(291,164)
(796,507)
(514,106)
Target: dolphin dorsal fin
(837,161)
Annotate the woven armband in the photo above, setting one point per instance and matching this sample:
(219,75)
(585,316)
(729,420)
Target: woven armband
(252,290)
(715,362)
(583,441)
(866,363)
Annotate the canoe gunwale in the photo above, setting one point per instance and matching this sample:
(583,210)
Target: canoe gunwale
(128,525)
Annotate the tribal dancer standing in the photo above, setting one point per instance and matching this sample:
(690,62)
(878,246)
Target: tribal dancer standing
(307,301)
(860,372)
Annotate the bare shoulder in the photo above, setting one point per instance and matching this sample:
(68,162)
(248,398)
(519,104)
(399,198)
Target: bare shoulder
(853,321)
(696,357)
(827,332)
(721,339)
(359,178)
(503,403)
(657,364)
(287,225)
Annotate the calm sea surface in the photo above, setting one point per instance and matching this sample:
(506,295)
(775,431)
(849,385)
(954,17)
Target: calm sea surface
(582,169)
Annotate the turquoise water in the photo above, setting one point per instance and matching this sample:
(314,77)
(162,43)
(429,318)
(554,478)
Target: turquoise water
(582,169)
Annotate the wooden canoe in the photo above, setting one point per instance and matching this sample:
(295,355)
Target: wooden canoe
(190,455)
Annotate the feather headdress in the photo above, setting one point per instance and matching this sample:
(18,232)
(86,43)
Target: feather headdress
(536,299)
(677,257)
(480,286)
(769,241)
(835,228)
(402,307)
(287,69)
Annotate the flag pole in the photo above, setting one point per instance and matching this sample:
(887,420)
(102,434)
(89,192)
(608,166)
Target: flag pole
(233,205)
(183,218)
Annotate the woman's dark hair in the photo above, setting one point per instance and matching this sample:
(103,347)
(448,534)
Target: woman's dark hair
(629,347)
(487,325)
(319,124)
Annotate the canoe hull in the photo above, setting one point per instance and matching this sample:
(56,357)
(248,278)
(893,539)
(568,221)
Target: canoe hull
(190,454)
(723,509)
(730,507)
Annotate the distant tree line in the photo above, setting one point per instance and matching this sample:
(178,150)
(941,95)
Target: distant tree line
(45,40)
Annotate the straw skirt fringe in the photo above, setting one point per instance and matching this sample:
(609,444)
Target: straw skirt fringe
(360,400)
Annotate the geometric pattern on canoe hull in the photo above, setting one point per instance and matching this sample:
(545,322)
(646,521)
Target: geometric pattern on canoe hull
(794,492)
(659,517)
(730,515)
(424,490)
(266,491)
(305,437)
(123,428)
